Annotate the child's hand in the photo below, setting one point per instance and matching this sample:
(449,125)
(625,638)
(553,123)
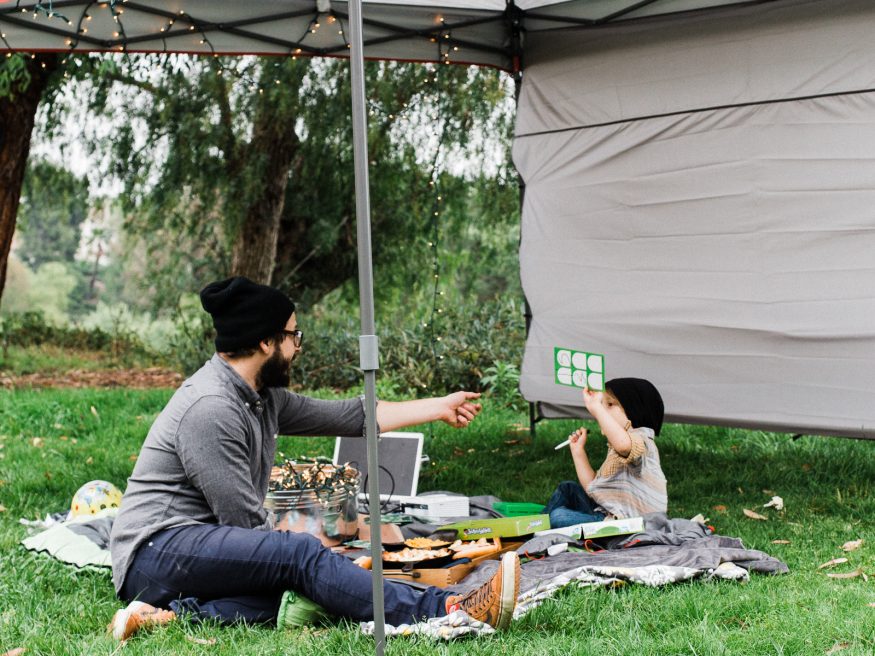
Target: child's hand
(577,442)
(592,400)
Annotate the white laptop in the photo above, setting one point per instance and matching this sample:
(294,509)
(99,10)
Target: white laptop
(399,455)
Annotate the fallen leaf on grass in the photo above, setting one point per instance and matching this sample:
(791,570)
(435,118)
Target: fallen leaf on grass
(806,467)
(872,604)
(511,442)
(720,508)
(753,515)
(89,460)
(780,541)
(846,575)
(37,442)
(838,647)
(18,651)
(94,412)
(777,503)
(2,508)
(63,438)
(133,456)
(201,641)
(852,545)
(833,563)
(73,440)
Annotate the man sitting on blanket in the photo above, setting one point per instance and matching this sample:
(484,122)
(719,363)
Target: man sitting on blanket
(192,536)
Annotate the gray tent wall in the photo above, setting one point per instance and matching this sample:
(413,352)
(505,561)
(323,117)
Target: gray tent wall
(700,208)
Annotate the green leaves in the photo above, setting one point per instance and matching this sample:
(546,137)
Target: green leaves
(14,76)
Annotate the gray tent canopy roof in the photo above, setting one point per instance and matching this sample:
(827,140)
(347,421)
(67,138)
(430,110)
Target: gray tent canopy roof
(482,32)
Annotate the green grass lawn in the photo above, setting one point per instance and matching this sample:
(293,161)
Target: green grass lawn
(48,358)
(52,441)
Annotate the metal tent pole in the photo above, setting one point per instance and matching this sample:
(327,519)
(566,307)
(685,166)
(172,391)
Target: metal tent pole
(368,346)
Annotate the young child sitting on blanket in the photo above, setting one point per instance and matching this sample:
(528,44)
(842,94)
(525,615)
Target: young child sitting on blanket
(630,481)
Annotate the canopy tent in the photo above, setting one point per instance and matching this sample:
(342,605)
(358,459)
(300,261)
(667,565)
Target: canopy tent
(484,32)
(697,172)
(703,162)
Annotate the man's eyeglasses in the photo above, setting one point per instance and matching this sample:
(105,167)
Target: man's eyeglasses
(296,335)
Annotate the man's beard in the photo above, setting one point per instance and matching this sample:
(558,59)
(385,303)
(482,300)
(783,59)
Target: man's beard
(275,372)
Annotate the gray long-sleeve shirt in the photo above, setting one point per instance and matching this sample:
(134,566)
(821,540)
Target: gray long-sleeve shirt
(208,456)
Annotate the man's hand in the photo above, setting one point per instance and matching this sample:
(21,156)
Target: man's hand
(458,409)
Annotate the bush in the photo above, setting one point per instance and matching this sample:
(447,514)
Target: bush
(119,319)
(466,342)
(191,343)
(33,329)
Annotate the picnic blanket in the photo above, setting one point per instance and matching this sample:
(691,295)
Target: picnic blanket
(82,542)
(668,551)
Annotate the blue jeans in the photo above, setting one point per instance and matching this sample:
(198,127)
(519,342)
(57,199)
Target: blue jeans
(570,504)
(232,574)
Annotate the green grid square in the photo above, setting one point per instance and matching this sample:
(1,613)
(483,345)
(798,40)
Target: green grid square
(579,369)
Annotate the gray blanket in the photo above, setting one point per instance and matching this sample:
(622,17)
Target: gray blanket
(665,542)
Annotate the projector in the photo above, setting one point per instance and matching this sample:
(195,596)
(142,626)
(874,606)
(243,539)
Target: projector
(436,507)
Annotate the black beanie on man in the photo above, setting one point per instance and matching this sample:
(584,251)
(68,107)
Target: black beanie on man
(640,400)
(244,312)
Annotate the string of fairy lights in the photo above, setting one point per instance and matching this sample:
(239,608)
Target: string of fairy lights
(434,243)
(181,23)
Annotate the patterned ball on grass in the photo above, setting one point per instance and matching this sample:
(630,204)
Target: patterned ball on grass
(93,497)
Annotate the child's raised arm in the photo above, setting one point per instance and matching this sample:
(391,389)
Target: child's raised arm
(577,445)
(616,434)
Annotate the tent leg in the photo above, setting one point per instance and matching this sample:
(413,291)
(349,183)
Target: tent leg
(369,349)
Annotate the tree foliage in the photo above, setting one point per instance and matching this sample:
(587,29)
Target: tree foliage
(53,206)
(209,149)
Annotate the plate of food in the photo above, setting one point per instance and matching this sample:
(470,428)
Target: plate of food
(413,557)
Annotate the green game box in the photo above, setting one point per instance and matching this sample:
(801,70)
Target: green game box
(504,527)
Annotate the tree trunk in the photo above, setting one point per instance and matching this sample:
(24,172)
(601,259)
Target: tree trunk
(17,115)
(254,252)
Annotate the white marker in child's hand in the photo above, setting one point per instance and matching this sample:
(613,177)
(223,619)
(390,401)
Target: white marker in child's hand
(561,444)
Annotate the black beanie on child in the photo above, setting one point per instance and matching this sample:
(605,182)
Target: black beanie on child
(640,400)
(244,312)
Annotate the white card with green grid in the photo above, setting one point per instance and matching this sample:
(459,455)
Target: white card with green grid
(579,368)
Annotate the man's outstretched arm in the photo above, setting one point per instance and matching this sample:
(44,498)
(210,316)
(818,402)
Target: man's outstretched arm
(457,409)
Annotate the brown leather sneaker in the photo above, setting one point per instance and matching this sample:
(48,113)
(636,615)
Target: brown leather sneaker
(494,601)
(138,615)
